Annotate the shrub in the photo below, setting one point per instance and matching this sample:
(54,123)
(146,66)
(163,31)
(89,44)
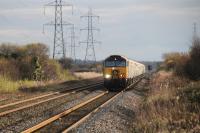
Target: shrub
(8,50)
(37,50)
(31,62)
(66,63)
(183,64)
(26,68)
(16,62)
(170,60)
(9,68)
(172,105)
(52,70)
(176,62)
(193,66)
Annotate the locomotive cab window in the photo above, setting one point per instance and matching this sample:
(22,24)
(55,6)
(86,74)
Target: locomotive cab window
(110,63)
(115,63)
(120,63)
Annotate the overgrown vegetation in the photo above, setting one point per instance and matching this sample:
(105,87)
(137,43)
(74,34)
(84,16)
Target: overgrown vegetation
(26,66)
(173,102)
(173,105)
(185,64)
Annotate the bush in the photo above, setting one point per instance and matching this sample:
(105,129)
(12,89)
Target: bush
(9,68)
(8,50)
(51,70)
(30,62)
(26,68)
(172,105)
(66,63)
(176,62)
(183,64)
(193,66)
(37,50)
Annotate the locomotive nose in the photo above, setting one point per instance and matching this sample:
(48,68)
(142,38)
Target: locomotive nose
(115,74)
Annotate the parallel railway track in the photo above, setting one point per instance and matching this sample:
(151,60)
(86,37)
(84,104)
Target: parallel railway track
(70,118)
(9,101)
(21,119)
(20,105)
(3,100)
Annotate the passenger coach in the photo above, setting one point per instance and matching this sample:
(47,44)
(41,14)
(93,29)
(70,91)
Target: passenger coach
(119,71)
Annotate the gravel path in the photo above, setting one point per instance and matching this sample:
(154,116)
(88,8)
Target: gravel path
(117,116)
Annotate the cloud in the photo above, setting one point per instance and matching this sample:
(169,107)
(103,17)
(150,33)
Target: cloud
(128,26)
(146,8)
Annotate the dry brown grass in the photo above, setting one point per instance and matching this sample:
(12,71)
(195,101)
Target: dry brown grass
(173,105)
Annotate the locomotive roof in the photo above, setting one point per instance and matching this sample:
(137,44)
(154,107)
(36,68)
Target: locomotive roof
(124,58)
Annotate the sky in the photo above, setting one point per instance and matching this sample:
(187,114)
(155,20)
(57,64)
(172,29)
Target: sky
(142,30)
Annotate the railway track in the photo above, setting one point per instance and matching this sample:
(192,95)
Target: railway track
(20,120)
(62,87)
(20,105)
(2,100)
(70,118)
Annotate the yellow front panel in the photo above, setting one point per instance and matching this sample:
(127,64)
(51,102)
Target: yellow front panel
(122,71)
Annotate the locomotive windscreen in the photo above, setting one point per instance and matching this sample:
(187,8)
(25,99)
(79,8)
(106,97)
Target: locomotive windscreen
(115,61)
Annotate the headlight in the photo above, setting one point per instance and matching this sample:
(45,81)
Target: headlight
(107,76)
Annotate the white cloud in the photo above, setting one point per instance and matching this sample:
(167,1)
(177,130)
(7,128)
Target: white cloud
(135,23)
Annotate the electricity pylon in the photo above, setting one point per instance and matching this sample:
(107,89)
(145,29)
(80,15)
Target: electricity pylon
(73,45)
(195,31)
(59,48)
(90,41)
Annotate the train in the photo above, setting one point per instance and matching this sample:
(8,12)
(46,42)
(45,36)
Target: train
(119,72)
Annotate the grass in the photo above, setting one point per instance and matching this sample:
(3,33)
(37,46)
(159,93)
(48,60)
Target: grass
(173,105)
(10,86)
(66,75)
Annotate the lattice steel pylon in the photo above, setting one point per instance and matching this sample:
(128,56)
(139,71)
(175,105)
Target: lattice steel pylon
(73,43)
(195,31)
(90,41)
(59,48)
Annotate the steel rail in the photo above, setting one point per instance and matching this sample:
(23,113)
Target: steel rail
(43,96)
(50,99)
(56,117)
(88,115)
(79,106)
(101,106)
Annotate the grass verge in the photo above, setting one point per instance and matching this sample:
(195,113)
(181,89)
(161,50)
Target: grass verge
(173,105)
(10,86)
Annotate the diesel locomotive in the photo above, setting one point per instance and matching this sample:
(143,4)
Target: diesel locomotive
(119,72)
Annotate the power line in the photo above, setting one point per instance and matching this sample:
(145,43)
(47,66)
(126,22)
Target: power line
(90,41)
(59,48)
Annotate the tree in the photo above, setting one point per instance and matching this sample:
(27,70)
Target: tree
(37,50)
(37,74)
(66,63)
(7,50)
(193,66)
